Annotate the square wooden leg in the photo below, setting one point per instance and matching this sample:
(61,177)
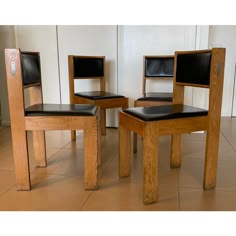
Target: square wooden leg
(99,141)
(73,135)
(124,151)
(21,159)
(175,160)
(91,153)
(150,165)
(103,121)
(135,142)
(39,148)
(211,159)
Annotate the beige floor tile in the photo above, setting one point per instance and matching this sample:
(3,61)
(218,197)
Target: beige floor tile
(211,200)
(190,174)
(125,196)
(233,145)
(7,180)
(226,175)
(6,158)
(67,162)
(195,136)
(126,193)
(49,192)
(108,149)
(57,139)
(228,128)
(193,149)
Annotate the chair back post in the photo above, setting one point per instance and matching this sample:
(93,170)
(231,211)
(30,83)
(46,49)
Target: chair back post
(17,117)
(178,90)
(71,78)
(144,77)
(103,79)
(216,84)
(214,116)
(15,86)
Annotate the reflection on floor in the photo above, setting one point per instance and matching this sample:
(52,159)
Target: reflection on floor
(60,185)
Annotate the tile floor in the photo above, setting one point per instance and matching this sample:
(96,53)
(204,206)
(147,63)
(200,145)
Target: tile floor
(59,187)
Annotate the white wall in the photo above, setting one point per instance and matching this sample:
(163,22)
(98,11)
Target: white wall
(43,39)
(7,40)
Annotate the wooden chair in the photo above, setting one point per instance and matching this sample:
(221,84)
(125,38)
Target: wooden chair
(92,67)
(203,68)
(158,68)
(23,73)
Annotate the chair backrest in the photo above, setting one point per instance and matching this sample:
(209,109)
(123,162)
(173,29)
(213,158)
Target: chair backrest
(31,71)
(86,67)
(201,68)
(23,74)
(157,67)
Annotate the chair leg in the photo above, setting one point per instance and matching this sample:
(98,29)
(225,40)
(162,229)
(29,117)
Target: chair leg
(211,159)
(175,161)
(73,135)
(150,165)
(135,141)
(124,151)
(103,121)
(99,142)
(21,159)
(91,153)
(39,148)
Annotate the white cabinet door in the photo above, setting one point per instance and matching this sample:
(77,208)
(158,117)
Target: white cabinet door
(224,36)
(43,39)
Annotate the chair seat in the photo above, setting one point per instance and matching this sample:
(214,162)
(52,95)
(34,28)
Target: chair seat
(156,97)
(97,95)
(61,109)
(165,112)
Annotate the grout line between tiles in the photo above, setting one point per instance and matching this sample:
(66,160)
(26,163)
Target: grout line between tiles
(228,141)
(178,194)
(1,195)
(81,209)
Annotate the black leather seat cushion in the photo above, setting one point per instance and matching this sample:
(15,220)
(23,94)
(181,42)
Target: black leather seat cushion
(61,110)
(97,95)
(166,112)
(156,97)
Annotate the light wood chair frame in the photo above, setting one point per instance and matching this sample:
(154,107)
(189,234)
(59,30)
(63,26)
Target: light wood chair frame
(20,124)
(102,103)
(152,130)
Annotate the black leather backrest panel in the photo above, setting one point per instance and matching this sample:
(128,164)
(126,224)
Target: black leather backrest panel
(30,68)
(88,67)
(194,68)
(159,67)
